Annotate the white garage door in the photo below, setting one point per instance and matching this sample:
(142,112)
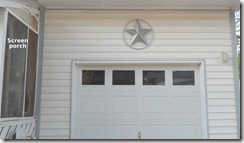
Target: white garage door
(137,102)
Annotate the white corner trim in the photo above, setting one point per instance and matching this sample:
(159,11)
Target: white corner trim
(235,68)
(73,99)
(202,80)
(203,98)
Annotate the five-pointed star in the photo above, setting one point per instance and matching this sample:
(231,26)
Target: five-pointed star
(138,34)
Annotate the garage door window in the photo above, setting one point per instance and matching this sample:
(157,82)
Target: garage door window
(153,78)
(183,78)
(93,77)
(123,77)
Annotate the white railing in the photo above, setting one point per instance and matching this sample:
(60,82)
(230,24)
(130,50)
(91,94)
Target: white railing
(8,129)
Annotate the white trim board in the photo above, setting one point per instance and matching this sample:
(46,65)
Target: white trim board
(137,4)
(2,43)
(76,63)
(39,70)
(235,68)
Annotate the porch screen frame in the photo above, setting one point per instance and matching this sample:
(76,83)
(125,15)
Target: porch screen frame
(6,15)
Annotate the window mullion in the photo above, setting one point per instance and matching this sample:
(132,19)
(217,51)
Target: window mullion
(26,64)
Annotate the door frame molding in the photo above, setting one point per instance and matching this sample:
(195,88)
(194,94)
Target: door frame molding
(202,82)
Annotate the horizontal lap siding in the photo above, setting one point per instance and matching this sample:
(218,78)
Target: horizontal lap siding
(97,35)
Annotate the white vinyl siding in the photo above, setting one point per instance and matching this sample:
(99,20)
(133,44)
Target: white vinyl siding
(97,35)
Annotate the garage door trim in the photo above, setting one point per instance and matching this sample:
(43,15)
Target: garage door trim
(203,97)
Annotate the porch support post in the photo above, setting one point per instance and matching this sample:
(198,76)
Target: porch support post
(39,75)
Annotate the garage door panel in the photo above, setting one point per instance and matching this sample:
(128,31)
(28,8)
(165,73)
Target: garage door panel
(185,131)
(91,88)
(92,121)
(117,88)
(155,131)
(93,116)
(154,117)
(184,105)
(93,105)
(154,93)
(122,93)
(183,88)
(124,105)
(124,131)
(92,93)
(154,105)
(176,93)
(93,131)
(171,93)
(191,121)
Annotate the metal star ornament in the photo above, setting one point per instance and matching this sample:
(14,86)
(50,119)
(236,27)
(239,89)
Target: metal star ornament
(138,34)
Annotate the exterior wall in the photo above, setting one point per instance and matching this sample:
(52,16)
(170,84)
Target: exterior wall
(97,35)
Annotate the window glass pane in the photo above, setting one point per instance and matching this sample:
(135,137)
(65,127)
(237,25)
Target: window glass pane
(93,77)
(124,77)
(31,74)
(153,78)
(183,78)
(14,71)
